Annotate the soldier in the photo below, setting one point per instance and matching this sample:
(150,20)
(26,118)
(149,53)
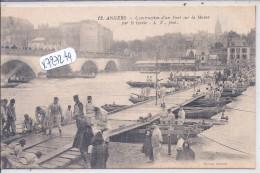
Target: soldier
(12,152)
(55,112)
(11,117)
(42,117)
(3,114)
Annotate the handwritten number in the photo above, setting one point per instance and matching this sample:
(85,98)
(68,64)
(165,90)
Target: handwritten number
(60,59)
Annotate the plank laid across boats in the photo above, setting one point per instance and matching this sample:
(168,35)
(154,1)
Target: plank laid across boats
(151,84)
(187,78)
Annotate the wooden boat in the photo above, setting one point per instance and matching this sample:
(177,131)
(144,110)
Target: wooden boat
(112,107)
(140,84)
(200,112)
(229,93)
(138,99)
(18,80)
(138,135)
(203,102)
(9,85)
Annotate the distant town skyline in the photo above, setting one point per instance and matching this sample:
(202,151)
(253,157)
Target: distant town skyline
(240,19)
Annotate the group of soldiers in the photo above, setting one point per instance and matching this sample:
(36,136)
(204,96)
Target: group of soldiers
(8,117)
(94,124)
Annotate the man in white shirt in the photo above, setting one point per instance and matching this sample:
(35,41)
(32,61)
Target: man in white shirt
(90,109)
(179,145)
(181,116)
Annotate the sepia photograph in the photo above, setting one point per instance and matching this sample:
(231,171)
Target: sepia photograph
(152,86)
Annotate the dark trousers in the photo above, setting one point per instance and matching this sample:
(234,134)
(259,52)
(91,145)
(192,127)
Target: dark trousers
(178,156)
(10,123)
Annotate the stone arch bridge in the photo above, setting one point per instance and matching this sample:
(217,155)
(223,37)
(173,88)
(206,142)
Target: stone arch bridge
(29,65)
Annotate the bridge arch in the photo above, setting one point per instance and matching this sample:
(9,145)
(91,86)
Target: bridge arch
(18,68)
(59,72)
(89,67)
(111,66)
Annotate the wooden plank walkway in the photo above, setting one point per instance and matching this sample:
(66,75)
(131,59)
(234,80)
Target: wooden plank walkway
(122,125)
(58,152)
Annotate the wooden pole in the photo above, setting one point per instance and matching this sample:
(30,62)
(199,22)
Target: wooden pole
(169,144)
(156,83)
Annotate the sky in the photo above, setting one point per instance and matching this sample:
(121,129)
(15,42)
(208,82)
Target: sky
(237,18)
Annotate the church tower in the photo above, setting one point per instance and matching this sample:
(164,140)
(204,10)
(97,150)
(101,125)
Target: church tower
(218,30)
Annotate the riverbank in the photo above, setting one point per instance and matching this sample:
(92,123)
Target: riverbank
(222,146)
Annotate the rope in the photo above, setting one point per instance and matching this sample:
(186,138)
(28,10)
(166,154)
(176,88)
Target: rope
(225,145)
(240,110)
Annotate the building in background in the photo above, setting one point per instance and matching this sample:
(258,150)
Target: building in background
(238,52)
(15,32)
(86,36)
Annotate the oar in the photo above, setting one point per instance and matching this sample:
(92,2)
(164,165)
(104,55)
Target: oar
(135,94)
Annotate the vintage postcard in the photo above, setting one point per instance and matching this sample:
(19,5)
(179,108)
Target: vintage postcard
(128,86)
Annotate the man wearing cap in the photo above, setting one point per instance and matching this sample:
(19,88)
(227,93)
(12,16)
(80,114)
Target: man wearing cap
(11,117)
(55,113)
(12,152)
(90,108)
(78,109)
(42,117)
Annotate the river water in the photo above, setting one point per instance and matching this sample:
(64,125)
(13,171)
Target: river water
(106,88)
